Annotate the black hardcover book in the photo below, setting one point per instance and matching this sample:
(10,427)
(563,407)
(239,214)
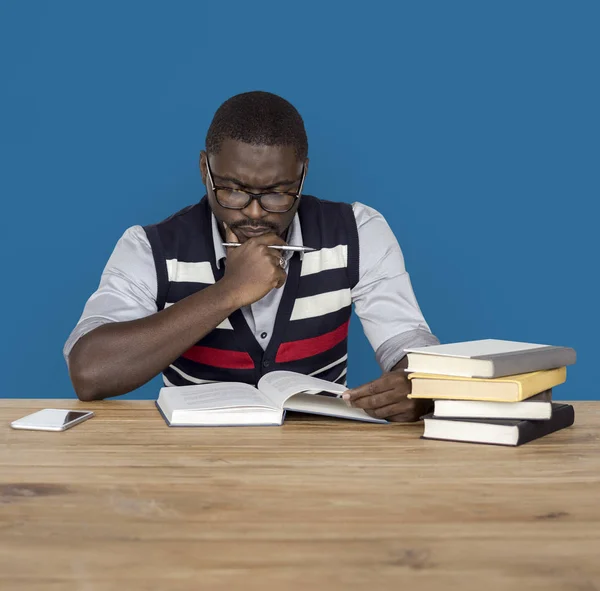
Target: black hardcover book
(498,432)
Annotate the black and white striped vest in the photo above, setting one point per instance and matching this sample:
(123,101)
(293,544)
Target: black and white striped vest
(311,328)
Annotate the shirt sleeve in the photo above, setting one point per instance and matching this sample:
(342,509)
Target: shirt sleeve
(383,298)
(128,287)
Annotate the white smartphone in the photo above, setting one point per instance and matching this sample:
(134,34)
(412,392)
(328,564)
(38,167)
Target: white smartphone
(52,419)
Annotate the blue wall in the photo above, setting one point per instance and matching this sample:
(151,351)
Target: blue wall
(473,126)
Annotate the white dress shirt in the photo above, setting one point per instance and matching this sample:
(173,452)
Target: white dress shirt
(383,298)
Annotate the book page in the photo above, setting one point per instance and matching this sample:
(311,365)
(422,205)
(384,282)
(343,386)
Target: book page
(330,407)
(215,396)
(278,386)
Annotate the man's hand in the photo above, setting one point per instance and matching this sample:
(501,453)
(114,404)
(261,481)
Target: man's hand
(386,398)
(253,270)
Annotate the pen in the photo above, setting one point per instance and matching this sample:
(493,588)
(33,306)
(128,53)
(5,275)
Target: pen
(288,248)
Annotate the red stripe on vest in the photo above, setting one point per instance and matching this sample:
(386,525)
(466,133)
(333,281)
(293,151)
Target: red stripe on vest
(295,350)
(220,357)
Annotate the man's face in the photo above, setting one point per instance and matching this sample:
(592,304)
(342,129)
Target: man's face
(256,169)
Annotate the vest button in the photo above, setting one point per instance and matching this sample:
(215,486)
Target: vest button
(266,363)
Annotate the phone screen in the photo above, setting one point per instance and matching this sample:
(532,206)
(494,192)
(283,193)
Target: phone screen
(52,419)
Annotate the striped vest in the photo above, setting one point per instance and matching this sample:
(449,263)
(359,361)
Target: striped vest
(311,327)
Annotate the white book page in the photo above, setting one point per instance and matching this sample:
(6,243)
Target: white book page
(470,349)
(278,386)
(221,395)
(324,405)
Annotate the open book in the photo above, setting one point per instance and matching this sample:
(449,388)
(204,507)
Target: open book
(234,403)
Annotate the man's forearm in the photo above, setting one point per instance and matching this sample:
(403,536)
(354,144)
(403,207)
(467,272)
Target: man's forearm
(118,357)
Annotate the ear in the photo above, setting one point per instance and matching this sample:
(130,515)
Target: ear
(303,185)
(202,163)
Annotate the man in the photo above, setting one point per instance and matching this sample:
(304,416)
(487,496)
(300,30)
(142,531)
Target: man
(174,299)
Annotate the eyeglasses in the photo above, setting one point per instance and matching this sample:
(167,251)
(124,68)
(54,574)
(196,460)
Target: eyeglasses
(273,201)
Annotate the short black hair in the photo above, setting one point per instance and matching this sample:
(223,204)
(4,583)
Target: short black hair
(258,118)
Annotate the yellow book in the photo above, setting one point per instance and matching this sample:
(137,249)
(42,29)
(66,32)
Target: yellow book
(506,389)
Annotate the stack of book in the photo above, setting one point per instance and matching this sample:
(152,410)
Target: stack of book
(491,391)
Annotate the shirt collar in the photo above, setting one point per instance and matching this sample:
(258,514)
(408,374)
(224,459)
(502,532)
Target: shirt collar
(294,238)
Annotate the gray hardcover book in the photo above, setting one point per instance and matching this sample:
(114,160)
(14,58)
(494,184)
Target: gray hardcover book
(488,358)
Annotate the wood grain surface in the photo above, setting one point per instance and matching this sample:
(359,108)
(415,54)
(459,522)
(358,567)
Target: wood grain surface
(124,502)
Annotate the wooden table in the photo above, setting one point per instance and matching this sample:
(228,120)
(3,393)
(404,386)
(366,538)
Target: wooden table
(124,502)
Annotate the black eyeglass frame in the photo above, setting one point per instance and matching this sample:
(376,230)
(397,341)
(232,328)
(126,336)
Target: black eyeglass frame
(257,196)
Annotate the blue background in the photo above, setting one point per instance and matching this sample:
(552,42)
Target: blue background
(472,126)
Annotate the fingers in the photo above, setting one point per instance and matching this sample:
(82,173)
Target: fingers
(401,411)
(261,243)
(407,411)
(274,257)
(382,384)
(379,400)
(386,398)
(281,274)
(281,280)
(274,254)
(230,234)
